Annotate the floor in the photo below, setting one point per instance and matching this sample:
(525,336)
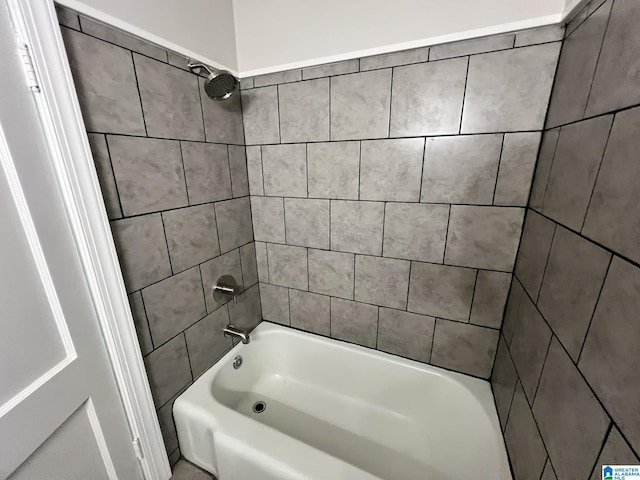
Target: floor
(184,470)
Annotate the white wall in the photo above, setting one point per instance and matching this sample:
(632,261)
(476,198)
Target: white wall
(201,29)
(279,34)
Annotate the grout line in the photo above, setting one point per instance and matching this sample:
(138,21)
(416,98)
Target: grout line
(546,355)
(329,80)
(604,442)
(204,294)
(595,181)
(595,308)
(359,167)
(184,173)
(146,317)
(166,241)
(473,297)
(186,346)
(595,71)
(446,237)
(264,193)
(384,221)
(464,94)
(230,176)
(424,160)
(406,305)
(390,101)
(546,262)
(204,126)
(169,138)
(113,172)
(278,105)
(135,74)
(495,185)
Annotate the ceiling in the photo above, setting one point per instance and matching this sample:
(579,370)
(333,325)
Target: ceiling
(252,37)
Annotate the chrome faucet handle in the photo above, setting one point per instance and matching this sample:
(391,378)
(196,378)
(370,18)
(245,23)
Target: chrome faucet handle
(224,288)
(232,331)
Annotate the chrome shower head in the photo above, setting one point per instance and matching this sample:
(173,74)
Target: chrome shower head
(219,85)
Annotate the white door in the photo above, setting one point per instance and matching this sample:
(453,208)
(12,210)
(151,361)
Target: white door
(61,415)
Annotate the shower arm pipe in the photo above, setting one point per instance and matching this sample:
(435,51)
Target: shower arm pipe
(192,66)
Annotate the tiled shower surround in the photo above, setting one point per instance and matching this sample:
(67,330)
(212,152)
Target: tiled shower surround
(388,193)
(172,169)
(566,379)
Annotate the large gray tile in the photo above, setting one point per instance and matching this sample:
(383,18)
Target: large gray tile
(517,164)
(570,419)
(206,341)
(192,235)
(575,166)
(427,98)
(534,250)
(503,381)
(441,290)
(543,168)
(186,471)
(170,100)
(461,169)
(570,288)
(222,120)
(284,169)
(148,173)
(227,264)
(249,264)
(393,59)
(168,370)
(234,223)
(307,222)
(576,68)
(105,80)
(354,322)
(275,303)
(484,237)
(490,297)
(310,312)
(304,111)
(509,91)
(390,169)
(123,39)
(616,451)
(261,260)
(382,281)
(288,266)
(331,273)
(357,226)
(254,170)
(140,322)
(407,334)
(526,450)
(334,170)
(268,219)
(415,231)
(615,84)
(278,77)
(238,166)
(471,47)
(613,217)
(360,105)
(511,322)
(464,348)
(529,346)
(67,18)
(206,167)
(260,115)
(610,360)
(337,68)
(246,313)
(98,144)
(534,36)
(174,304)
(142,250)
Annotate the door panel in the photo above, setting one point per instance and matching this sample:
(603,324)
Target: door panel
(61,415)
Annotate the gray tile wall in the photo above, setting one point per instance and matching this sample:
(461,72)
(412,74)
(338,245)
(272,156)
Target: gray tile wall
(172,168)
(388,193)
(566,374)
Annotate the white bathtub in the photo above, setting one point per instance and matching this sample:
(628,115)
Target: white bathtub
(337,411)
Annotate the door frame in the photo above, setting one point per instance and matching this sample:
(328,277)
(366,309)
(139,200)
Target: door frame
(37,29)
